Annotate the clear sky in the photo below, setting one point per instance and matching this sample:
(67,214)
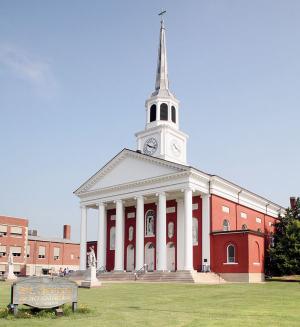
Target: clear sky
(74,76)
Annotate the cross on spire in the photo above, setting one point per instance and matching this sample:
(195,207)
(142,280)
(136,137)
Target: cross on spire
(161,14)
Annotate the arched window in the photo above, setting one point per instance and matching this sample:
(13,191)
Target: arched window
(112,235)
(244,227)
(173,112)
(163,111)
(153,113)
(195,231)
(149,225)
(257,253)
(230,253)
(226,225)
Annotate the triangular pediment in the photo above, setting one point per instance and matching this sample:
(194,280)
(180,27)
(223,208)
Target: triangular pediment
(127,167)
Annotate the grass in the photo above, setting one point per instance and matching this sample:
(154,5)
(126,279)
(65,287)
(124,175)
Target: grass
(270,304)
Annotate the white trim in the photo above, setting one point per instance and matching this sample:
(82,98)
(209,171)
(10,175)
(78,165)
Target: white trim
(230,263)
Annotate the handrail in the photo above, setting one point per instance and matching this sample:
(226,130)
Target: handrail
(205,268)
(141,271)
(101,270)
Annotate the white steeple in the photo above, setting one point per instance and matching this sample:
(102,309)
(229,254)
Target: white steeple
(162,137)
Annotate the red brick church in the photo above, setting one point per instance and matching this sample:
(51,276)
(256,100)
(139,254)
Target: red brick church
(156,210)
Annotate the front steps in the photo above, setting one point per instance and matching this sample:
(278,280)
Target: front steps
(167,277)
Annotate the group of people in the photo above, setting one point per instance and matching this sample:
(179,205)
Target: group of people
(63,272)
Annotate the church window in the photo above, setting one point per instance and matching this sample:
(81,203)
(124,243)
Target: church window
(257,253)
(173,112)
(153,113)
(226,225)
(163,111)
(230,253)
(149,217)
(195,231)
(244,227)
(112,235)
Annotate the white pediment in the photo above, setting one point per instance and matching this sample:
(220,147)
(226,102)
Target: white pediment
(127,167)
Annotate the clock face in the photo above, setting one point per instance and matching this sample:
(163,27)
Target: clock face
(176,147)
(150,146)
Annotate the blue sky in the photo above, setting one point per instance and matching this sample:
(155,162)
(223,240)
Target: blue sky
(74,76)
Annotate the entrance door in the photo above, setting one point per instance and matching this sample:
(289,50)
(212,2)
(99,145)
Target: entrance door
(171,256)
(149,256)
(130,258)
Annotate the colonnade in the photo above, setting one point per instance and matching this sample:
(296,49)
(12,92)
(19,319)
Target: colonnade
(184,221)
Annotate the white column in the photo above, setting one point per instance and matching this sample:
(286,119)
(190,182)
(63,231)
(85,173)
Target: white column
(188,229)
(101,243)
(83,237)
(161,251)
(139,233)
(180,234)
(206,229)
(119,246)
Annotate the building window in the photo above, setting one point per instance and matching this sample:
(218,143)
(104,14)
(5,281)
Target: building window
(173,114)
(2,250)
(3,230)
(15,251)
(226,225)
(225,209)
(195,231)
(272,241)
(163,111)
(230,253)
(149,217)
(243,215)
(244,227)
(56,253)
(257,253)
(72,256)
(153,113)
(42,252)
(28,251)
(16,231)
(112,237)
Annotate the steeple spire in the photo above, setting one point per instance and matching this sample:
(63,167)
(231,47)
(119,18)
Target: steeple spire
(162,80)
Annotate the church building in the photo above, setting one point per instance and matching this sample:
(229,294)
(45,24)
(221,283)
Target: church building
(156,210)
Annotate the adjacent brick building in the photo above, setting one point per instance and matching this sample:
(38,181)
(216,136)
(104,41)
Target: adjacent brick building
(33,254)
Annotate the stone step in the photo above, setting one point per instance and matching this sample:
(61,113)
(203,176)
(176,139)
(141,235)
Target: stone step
(158,276)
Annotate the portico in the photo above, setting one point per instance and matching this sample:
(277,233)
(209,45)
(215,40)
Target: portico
(180,190)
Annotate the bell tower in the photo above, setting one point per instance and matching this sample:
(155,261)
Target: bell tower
(161,137)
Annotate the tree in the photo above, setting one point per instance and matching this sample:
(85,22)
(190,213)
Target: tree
(283,257)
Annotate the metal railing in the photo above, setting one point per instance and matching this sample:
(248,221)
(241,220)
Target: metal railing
(141,271)
(205,268)
(101,270)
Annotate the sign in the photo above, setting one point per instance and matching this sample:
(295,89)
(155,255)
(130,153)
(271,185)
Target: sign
(44,292)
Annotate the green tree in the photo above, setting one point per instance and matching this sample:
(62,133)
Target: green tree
(283,257)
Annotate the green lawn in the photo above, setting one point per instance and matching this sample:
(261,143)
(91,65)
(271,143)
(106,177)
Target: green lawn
(269,304)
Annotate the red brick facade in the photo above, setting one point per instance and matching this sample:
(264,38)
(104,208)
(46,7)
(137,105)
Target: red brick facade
(33,254)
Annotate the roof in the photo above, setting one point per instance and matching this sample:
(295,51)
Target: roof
(185,167)
(50,239)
